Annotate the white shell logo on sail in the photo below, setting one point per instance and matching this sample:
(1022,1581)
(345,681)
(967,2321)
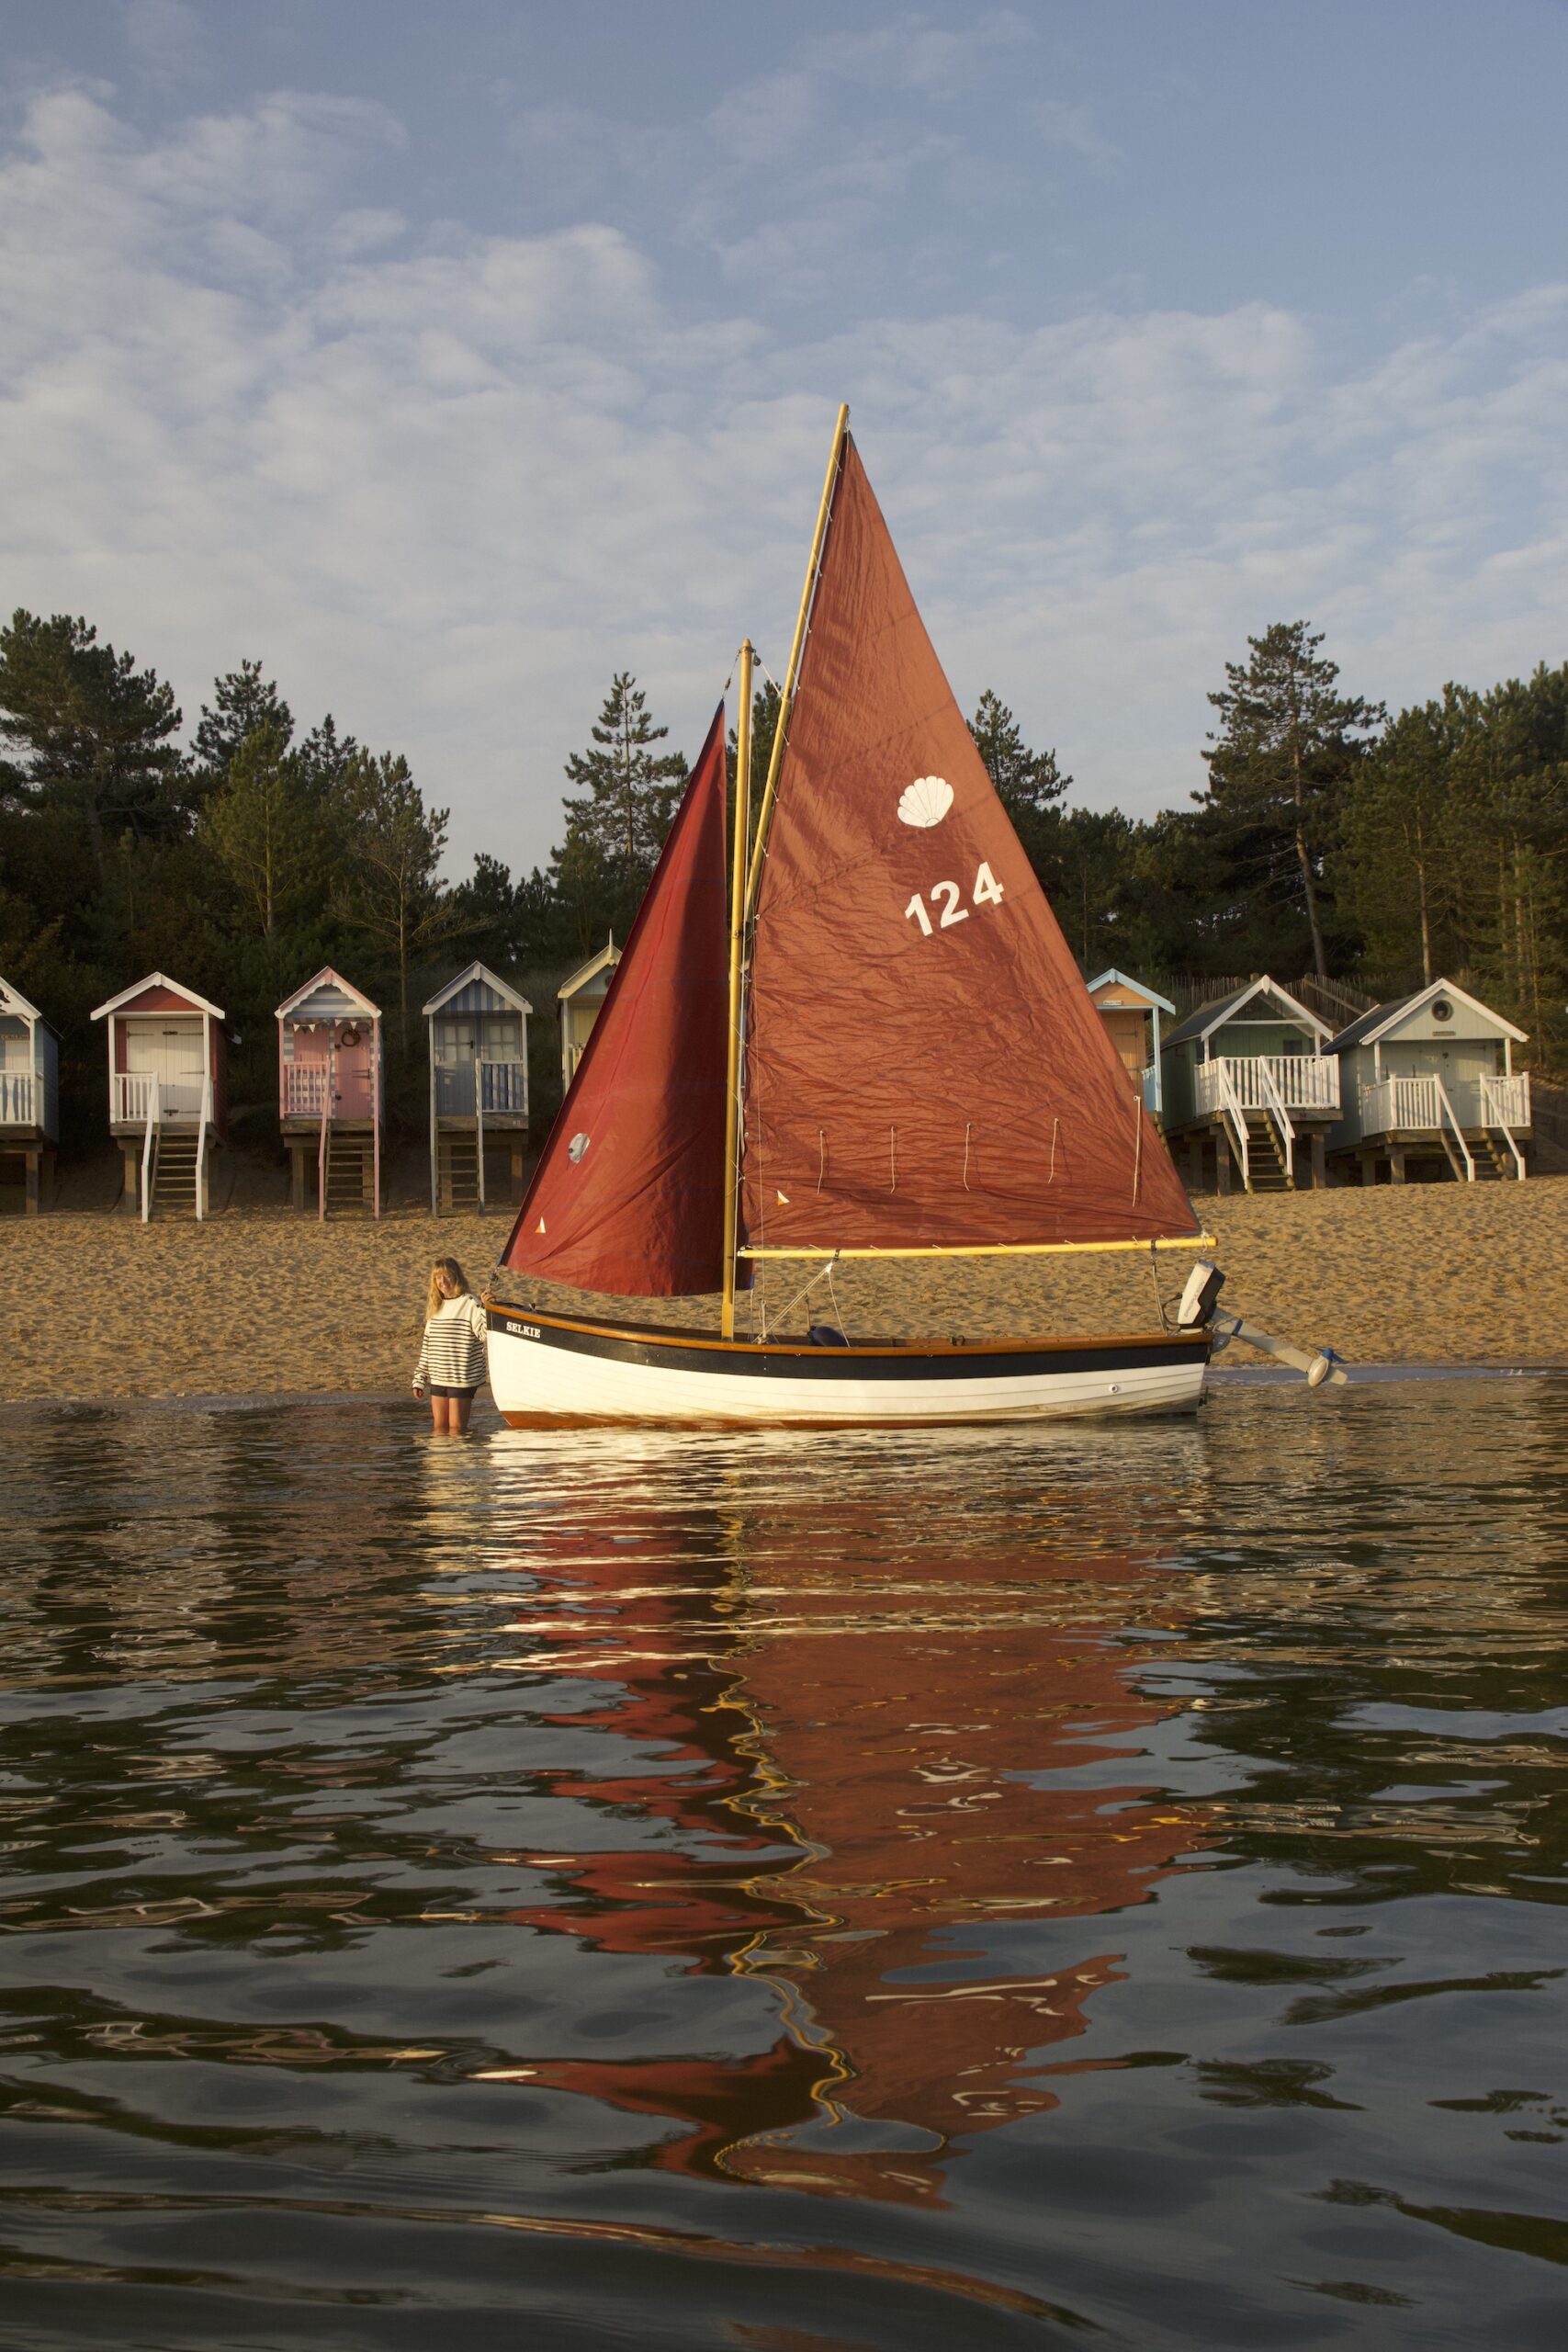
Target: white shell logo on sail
(926,802)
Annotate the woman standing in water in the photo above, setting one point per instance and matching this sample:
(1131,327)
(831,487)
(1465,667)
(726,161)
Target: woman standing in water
(452,1360)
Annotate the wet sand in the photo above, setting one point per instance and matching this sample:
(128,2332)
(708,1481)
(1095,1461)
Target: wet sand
(259,1301)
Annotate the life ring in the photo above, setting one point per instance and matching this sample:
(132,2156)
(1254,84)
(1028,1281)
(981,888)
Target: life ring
(348,1034)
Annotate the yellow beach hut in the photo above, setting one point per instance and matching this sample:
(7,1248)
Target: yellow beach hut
(581,998)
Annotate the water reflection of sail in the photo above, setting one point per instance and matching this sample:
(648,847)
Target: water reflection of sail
(923,1734)
(645,1615)
(876,1783)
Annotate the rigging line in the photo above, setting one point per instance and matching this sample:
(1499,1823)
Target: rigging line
(1154,1277)
(821,1158)
(1138,1146)
(968,1131)
(1055,1125)
(893,1159)
(823,1273)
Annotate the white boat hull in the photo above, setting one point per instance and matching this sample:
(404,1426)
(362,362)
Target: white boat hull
(545,1369)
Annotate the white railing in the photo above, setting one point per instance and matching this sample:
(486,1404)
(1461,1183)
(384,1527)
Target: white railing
(149,1150)
(1506,1104)
(1458,1141)
(1392,1106)
(205,1123)
(17,1097)
(305,1086)
(130,1091)
(1301,1081)
(1227,1103)
(1506,1101)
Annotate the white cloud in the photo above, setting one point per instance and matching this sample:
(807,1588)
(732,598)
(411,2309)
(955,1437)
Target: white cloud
(446,485)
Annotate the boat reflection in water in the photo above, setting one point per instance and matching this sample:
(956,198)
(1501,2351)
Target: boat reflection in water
(878,1769)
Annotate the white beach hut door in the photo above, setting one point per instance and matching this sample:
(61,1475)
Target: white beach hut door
(173,1054)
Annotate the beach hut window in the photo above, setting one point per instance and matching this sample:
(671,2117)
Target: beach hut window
(1441,1008)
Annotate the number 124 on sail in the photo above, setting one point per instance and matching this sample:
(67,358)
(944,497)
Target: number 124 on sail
(987,892)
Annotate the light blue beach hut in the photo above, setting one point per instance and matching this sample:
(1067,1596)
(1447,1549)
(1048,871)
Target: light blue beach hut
(1429,1089)
(29,1093)
(479,1085)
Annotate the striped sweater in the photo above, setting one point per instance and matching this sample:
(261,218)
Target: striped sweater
(453,1355)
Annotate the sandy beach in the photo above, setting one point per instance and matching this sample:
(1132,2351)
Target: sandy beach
(259,1301)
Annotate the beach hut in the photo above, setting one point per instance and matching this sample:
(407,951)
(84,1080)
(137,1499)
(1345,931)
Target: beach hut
(1131,1013)
(329,1093)
(1249,1087)
(29,1093)
(479,1085)
(581,998)
(167,1091)
(1429,1090)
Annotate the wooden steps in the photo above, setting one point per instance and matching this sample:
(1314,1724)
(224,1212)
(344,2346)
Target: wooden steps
(1267,1168)
(176,1152)
(349,1178)
(457,1170)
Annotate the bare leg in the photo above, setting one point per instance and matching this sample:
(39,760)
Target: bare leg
(457,1411)
(438,1415)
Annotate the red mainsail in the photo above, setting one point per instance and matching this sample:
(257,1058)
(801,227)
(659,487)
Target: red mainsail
(628,1196)
(924,1067)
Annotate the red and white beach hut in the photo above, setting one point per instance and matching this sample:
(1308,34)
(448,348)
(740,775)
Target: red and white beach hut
(329,1093)
(168,1105)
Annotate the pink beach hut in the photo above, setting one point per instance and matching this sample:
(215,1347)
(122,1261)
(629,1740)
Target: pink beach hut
(329,1093)
(168,1105)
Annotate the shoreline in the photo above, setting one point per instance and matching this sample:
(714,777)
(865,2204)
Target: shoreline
(260,1303)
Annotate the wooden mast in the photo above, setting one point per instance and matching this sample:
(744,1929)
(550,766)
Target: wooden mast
(792,674)
(736,944)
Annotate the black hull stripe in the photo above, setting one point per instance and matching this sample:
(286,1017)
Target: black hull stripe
(845,1363)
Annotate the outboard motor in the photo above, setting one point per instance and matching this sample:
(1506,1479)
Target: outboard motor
(1204,1284)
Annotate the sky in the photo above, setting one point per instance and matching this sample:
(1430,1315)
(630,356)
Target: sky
(450,359)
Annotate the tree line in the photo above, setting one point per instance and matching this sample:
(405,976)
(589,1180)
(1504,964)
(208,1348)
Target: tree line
(1326,837)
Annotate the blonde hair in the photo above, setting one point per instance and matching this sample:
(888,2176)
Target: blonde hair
(436,1297)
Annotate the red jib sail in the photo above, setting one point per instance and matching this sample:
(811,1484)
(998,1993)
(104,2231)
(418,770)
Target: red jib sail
(924,1066)
(628,1196)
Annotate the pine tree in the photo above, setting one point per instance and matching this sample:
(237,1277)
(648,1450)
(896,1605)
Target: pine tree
(1278,768)
(1395,873)
(265,828)
(243,701)
(325,757)
(1028,782)
(93,732)
(626,792)
(392,892)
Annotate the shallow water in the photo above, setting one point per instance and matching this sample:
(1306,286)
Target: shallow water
(819,1892)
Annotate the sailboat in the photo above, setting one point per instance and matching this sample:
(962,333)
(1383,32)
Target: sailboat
(853,1030)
